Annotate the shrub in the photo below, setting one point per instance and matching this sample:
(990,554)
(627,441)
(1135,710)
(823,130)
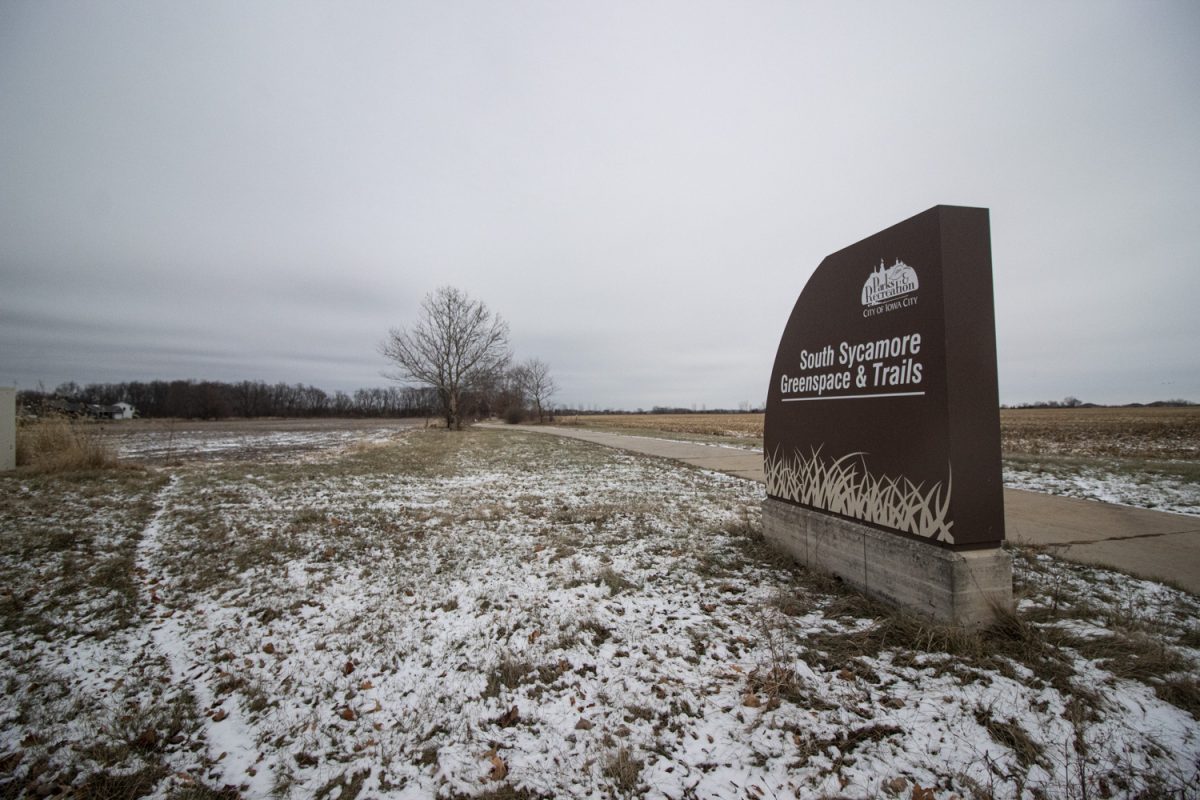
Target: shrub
(60,444)
(514,415)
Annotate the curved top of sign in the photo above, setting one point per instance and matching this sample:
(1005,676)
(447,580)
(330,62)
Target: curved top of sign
(883,404)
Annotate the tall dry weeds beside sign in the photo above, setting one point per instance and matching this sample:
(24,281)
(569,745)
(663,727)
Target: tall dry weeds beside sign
(8,428)
(883,404)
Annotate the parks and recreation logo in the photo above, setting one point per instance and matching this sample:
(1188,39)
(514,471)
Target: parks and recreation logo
(889,288)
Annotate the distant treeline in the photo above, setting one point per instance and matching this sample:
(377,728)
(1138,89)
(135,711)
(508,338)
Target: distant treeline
(1074,402)
(193,399)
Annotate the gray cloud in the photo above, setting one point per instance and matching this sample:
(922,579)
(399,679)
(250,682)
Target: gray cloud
(260,191)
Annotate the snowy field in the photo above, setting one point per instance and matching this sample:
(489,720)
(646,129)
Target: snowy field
(170,441)
(506,615)
(1162,486)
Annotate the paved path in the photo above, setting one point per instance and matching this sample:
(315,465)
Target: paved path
(1153,544)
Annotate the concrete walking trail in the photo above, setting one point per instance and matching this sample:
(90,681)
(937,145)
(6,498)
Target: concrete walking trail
(1150,544)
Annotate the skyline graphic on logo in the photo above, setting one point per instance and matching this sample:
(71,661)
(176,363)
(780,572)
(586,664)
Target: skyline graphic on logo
(886,283)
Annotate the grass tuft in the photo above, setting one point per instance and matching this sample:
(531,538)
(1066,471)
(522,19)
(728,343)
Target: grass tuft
(624,770)
(119,786)
(1010,734)
(615,581)
(60,444)
(1181,692)
(508,674)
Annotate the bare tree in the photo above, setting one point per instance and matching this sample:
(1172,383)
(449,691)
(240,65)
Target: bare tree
(508,395)
(537,384)
(457,345)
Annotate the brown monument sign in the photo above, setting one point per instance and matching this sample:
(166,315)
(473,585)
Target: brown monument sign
(883,404)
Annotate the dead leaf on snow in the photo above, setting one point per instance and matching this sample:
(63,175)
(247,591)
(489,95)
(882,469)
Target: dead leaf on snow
(919,793)
(499,769)
(508,718)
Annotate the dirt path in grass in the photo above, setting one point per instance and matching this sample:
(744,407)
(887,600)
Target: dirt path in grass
(229,752)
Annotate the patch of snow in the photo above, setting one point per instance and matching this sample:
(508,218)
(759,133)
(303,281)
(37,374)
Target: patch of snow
(1111,485)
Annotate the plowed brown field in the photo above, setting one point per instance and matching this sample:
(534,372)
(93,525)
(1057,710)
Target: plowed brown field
(1150,433)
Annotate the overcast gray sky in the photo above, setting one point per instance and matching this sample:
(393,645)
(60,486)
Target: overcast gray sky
(641,189)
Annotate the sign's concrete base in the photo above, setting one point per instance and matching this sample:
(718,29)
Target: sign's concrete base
(956,588)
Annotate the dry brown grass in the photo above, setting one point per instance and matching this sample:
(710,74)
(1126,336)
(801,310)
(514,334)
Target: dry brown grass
(624,770)
(60,444)
(1146,433)
(1150,433)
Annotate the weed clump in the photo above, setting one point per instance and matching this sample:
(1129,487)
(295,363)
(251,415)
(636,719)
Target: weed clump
(1008,732)
(1181,692)
(624,770)
(508,674)
(61,444)
(615,581)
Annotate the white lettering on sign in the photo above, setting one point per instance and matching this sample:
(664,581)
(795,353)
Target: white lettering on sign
(880,348)
(820,384)
(889,363)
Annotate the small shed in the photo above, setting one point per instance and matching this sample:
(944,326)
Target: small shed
(115,411)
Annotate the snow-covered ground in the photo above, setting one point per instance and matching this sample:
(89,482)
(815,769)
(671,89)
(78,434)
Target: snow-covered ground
(1128,483)
(503,614)
(166,442)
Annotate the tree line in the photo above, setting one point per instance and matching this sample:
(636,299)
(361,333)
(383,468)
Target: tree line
(213,400)
(1074,402)
(196,399)
(506,395)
